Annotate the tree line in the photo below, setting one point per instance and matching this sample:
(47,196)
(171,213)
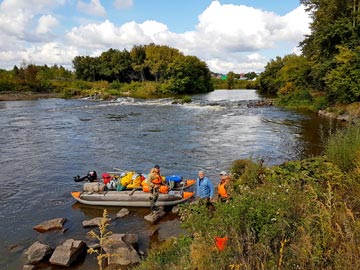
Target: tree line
(328,69)
(178,73)
(162,69)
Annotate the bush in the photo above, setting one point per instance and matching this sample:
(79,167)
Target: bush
(171,254)
(7,86)
(296,99)
(343,148)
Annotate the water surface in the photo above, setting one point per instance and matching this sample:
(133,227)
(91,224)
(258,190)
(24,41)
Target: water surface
(44,143)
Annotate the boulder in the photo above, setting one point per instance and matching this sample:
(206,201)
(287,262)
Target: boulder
(129,238)
(121,250)
(29,267)
(122,213)
(151,232)
(68,252)
(38,252)
(155,215)
(95,222)
(56,223)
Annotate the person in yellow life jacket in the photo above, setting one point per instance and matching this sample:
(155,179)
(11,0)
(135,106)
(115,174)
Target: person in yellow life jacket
(223,187)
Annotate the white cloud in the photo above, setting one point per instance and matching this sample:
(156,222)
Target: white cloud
(123,4)
(93,8)
(106,34)
(227,37)
(46,24)
(46,54)
(17,16)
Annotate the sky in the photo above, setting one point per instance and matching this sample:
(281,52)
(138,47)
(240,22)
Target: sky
(229,35)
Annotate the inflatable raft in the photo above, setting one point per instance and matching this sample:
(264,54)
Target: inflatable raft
(134,198)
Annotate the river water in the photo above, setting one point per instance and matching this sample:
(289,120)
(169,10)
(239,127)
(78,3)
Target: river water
(44,143)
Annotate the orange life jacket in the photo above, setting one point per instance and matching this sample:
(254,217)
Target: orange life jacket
(157,180)
(222,190)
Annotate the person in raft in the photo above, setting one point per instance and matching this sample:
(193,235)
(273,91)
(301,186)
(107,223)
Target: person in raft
(204,188)
(223,187)
(155,183)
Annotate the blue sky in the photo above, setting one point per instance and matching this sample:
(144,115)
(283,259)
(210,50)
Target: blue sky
(229,35)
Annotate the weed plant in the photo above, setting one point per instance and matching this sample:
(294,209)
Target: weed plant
(103,237)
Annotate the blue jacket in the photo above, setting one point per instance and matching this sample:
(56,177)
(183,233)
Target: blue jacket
(204,188)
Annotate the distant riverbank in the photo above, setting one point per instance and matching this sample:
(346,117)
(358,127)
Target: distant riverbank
(11,96)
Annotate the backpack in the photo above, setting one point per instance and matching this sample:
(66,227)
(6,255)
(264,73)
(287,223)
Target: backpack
(174,178)
(112,184)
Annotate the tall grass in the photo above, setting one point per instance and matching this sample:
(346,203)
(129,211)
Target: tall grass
(343,148)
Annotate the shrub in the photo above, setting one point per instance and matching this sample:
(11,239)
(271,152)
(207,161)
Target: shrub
(6,86)
(186,99)
(343,148)
(171,254)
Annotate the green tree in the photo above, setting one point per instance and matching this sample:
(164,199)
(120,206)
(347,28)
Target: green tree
(188,75)
(250,75)
(270,81)
(138,57)
(158,58)
(335,22)
(115,65)
(343,82)
(296,70)
(230,78)
(86,68)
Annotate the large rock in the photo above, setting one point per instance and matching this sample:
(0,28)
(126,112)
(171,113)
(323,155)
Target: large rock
(121,249)
(155,215)
(68,252)
(56,223)
(122,213)
(38,252)
(129,238)
(95,222)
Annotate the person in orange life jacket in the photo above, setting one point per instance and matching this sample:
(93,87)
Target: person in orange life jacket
(154,181)
(154,178)
(204,188)
(223,187)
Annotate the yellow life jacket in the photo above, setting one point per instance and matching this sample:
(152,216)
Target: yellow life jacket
(126,180)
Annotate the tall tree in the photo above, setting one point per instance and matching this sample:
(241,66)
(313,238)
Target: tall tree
(270,80)
(158,58)
(115,65)
(138,56)
(335,22)
(188,75)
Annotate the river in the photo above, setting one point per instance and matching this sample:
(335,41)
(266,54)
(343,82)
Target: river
(44,143)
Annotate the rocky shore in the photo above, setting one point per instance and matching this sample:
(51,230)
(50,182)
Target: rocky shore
(118,249)
(344,117)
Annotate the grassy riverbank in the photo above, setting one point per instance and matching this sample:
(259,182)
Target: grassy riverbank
(298,215)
